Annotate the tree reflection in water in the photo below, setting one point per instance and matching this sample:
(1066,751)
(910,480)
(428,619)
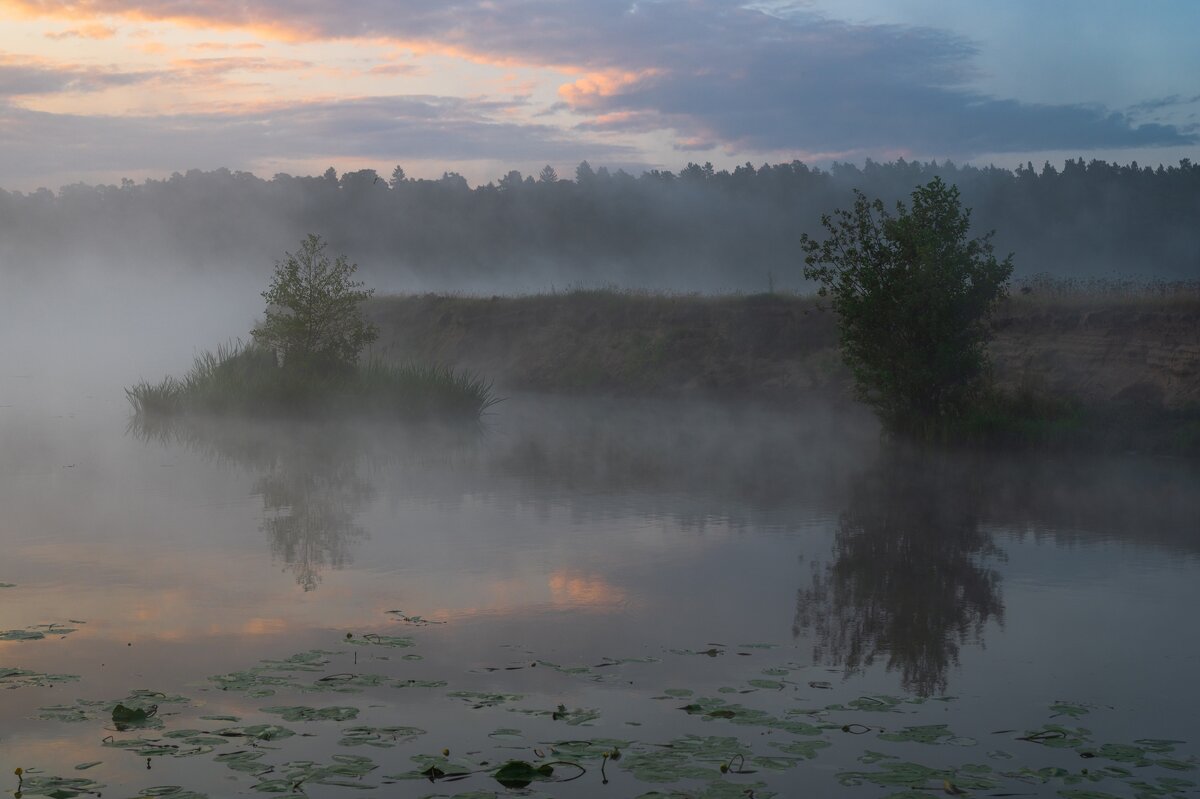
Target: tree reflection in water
(307,476)
(311,506)
(910,579)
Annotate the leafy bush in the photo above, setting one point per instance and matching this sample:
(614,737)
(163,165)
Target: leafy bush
(913,294)
(313,317)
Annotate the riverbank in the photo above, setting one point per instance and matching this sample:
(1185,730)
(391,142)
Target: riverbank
(1125,364)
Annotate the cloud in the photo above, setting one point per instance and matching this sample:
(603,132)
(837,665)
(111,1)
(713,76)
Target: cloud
(389,129)
(765,78)
(20,77)
(93,31)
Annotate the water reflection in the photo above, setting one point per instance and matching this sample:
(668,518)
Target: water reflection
(310,479)
(311,507)
(910,580)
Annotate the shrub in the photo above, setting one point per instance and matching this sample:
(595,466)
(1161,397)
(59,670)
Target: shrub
(913,294)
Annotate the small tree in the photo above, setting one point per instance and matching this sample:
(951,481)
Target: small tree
(913,295)
(313,316)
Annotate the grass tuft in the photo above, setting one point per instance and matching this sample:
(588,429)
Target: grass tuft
(246,379)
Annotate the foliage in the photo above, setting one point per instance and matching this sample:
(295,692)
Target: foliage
(245,379)
(313,318)
(913,294)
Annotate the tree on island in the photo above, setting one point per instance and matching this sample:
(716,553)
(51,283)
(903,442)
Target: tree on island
(913,295)
(314,317)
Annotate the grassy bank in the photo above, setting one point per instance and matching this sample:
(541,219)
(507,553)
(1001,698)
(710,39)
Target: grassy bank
(245,379)
(1077,365)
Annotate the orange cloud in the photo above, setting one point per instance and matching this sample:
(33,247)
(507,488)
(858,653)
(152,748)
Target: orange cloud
(395,69)
(594,85)
(224,46)
(91,31)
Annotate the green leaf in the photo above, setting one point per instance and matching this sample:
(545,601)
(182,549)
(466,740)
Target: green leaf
(519,773)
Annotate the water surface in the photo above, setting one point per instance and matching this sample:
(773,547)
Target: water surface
(692,584)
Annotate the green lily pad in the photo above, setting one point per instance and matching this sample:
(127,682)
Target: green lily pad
(574,717)
(380,737)
(478,700)
(24,678)
(171,792)
(1072,709)
(805,749)
(59,787)
(304,713)
(257,732)
(420,684)
(594,749)
(133,715)
(690,757)
(374,639)
(519,773)
(928,734)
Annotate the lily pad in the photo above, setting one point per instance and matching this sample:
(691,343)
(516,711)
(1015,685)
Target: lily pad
(374,639)
(304,713)
(928,734)
(58,787)
(478,700)
(24,678)
(519,773)
(381,737)
(257,732)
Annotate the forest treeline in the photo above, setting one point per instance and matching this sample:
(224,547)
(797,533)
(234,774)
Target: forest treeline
(698,229)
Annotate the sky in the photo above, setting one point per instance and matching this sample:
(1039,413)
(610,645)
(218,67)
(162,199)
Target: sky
(95,91)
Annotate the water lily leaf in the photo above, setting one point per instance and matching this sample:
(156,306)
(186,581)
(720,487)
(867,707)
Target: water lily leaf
(519,773)
(562,669)
(142,747)
(808,749)
(58,787)
(21,635)
(171,791)
(1072,709)
(304,713)
(690,757)
(133,715)
(928,734)
(242,760)
(420,684)
(772,685)
(881,703)
(375,639)
(1058,737)
(258,732)
(24,678)
(8,585)
(381,737)
(88,765)
(868,757)
(478,700)
(433,768)
(594,749)
(574,717)
(678,692)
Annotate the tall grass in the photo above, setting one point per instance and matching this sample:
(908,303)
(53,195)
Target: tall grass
(1132,291)
(246,379)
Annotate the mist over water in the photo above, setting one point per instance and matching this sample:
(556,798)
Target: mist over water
(648,543)
(680,567)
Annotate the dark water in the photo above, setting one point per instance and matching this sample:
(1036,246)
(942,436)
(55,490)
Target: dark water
(695,585)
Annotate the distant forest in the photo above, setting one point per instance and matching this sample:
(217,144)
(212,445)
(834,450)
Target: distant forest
(699,229)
